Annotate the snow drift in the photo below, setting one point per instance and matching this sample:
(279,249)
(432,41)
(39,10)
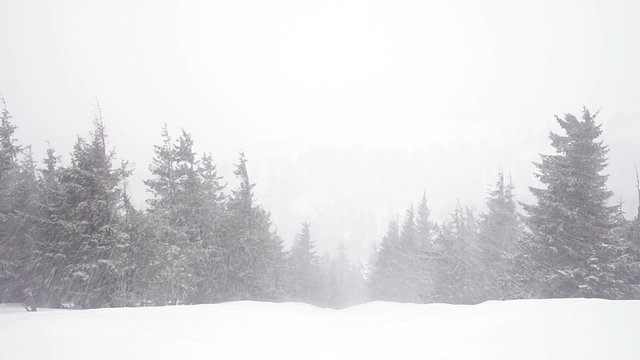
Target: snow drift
(523,329)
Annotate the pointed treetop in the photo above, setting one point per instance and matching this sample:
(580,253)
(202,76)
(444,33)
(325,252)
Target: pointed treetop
(9,150)
(245,193)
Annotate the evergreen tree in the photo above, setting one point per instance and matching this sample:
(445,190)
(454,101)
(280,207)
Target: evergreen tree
(624,252)
(188,224)
(212,217)
(17,181)
(458,262)
(50,234)
(189,204)
(386,279)
(410,259)
(304,274)
(500,233)
(140,257)
(632,252)
(424,227)
(427,256)
(24,207)
(571,221)
(400,263)
(81,258)
(345,284)
(253,259)
(173,213)
(9,149)
(163,185)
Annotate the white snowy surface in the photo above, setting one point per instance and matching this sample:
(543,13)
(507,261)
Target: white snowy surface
(524,329)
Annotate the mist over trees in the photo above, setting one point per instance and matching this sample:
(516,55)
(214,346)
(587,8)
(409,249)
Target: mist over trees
(70,237)
(570,243)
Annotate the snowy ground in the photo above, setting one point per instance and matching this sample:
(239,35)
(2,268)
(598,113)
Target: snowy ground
(526,329)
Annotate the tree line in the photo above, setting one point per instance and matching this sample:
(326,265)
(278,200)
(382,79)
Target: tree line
(570,243)
(70,237)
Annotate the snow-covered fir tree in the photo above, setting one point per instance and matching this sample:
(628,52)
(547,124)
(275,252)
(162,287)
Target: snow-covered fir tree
(303,279)
(185,213)
(410,259)
(500,233)
(49,257)
(253,257)
(459,268)
(211,217)
(426,256)
(571,220)
(81,250)
(17,185)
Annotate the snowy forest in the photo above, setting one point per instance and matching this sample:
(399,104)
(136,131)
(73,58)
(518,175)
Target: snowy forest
(71,238)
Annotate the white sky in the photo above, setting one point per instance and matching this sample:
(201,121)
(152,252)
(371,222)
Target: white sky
(347,110)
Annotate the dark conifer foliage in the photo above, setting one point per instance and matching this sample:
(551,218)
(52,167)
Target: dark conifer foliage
(253,258)
(81,246)
(573,243)
(500,233)
(17,180)
(459,270)
(571,221)
(70,236)
(303,268)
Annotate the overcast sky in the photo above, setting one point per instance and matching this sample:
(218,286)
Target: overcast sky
(347,110)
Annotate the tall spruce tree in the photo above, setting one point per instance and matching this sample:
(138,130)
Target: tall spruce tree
(82,257)
(571,221)
(253,259)
(17,182)
(211,218)
(174,212)
(426,255)
(49,234)
(410,259)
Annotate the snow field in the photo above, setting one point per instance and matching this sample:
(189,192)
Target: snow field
(522,329)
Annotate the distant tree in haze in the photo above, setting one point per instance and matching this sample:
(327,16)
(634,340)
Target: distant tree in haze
(344,283)
(500,233)
(405,265)
(426,255)
(303,268)
(459,266)
(386,274)
(410,259)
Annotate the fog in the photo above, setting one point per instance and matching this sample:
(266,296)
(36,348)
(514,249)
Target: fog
(347,110)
